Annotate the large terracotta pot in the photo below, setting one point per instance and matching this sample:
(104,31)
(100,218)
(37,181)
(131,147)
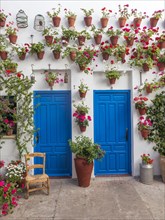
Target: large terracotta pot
(71,21)
(82,128)
(112,80)
(153,22)
(3,55)
(81,40)
(83,171)
(137,22)
(88,21)
(162,167)
(40,55)
(72,55)
(104,22)
(145,133)
(49,39)
(114,40)
(82,94)
(142,111)
(122,21)
(56,54)
(56,21)
(161,66)
(105,56)
(13,38)
(98,39)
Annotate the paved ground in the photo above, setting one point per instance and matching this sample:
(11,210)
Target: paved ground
(109,198)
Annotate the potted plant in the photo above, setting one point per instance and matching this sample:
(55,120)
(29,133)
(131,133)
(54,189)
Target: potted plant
(146,34)
(152,51)
(68,34)
(97,34)
(3,17)
(124,15)
(106,49)
(82,36)
(114,35)
(88,17)
(138,16)
(70,51)
(146,169)
(151,86)
(9,66)
(161,62)
(3,48)
(145,63)
(120,51)
(130,35)
(11,32)
(49,34)
(38,48)
(83,88)
(56,49)
(86,151)
(22,50)
(71,16)
(9,126)
(51,78)
(161,41)
(54,16)
(144,126)
(155,18)
(140,104)
(105,17)
(80,116)
(156,114)
(112,75)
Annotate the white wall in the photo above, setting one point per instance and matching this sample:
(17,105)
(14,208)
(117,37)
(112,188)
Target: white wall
(96,81)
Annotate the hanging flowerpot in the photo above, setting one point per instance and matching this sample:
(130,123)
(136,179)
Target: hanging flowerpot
(148,89)
(130,42)
(82,67)
(56,54)
(104,22)
(82,94)
(3,55)
(83,171)
(145,67)
(71,21)
(88,21)
(137,22)
(22,56)
(2,22)
(82,128)
(114,40)
(162,44)
(13,38)
(72,55)
(98,39)
(105,56)
(11,70)
(153,22)
(40,55)
(56,21)
(65,40)
(161,66)
(81,40)
(9,132)
(122,21)
(145,133)
(49,39)
(142,111)
(112,80)
(51,84)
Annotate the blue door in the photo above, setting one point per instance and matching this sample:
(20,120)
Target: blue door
(53,118)
(112,131)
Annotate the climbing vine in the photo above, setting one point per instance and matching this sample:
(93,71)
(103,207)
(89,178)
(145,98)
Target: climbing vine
(19,88)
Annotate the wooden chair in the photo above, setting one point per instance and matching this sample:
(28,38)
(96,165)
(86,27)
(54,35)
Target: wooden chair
(42,179)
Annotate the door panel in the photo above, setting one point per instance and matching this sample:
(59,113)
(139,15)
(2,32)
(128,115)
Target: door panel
(111,121)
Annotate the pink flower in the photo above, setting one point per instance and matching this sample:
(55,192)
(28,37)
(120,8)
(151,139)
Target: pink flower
(89,118)
(2,183)
(5,189)
(2,163)
(4,212)
(13,191)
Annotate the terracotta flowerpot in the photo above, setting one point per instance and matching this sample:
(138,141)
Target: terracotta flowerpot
(130,42)
(137,22)
(56,21)
(3,55)
(142,111)
(145,67)
(72,55)
(2,22)
(84,171)
(9,132)
(13,38)
(12,70)
(162,44)
(145,133)
(162,167)
(65,40)
(51,84)
(49,39)
(153,22)
(148,89)
(56,54)
(82,128)
(71,21)
(105,56)
(40,55)
(82,67)
(112,80)
(161,66)
(104,22)
(22,57)
(81,40)
(98,39)
(82,94)
(88,21)
(114,40)
(122,21)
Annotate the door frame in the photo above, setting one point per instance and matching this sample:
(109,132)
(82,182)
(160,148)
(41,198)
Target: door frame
(34,119)
(128,92)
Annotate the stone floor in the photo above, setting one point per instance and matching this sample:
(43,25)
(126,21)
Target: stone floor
(109,198)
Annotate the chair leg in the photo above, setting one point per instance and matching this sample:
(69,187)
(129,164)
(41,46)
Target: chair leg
(27,190)
(48,186)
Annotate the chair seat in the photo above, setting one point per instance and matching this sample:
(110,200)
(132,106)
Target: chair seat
(38,177)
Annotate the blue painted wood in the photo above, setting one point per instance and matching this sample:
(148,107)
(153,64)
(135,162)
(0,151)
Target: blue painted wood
(111,119)
(53,118)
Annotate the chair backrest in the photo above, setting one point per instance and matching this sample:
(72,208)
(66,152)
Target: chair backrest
(32,155)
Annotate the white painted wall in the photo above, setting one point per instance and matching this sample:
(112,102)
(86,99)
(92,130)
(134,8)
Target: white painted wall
(96,81)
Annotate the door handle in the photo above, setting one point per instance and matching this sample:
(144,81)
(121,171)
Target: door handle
(37,138)
(126,134)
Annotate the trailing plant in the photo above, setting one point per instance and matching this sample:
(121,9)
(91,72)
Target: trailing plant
(48,31)
(105,12)
(87,12)
(55,12)
(83,87)
(158,14)
(37,47)
(69,33)
(106,47)
(112,73)
(3,16)
(96,31)
(124,11)
(84,33)
(10,30)
(69,13)
(140,102)
(111,32)
(137,14)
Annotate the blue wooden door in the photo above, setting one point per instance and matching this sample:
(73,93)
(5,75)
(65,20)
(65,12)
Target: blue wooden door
(53,118)
(112,131)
